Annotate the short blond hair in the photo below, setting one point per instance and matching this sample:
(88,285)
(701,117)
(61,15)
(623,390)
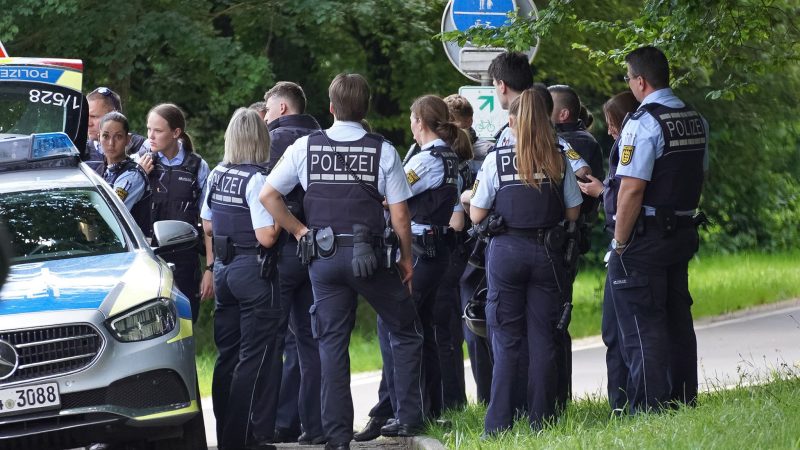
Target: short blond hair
(246,139)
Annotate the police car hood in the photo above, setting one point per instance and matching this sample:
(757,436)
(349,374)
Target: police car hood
(111,283)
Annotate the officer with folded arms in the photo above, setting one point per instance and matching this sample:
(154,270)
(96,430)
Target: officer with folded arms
(347,174)
(531,189)
(662,160)
(247,309)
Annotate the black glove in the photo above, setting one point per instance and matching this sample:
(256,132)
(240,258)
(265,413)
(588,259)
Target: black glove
(364,261)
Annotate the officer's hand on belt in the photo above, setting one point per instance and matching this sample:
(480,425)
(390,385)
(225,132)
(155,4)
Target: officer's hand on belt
(364,261)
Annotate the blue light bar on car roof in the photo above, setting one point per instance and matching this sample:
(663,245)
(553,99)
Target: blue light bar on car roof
(33,151)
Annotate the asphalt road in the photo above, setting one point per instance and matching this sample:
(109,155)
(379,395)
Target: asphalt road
(739,348)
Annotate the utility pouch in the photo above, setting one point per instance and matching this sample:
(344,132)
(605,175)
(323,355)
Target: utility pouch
(667,220)
(430,239)
(223,249)
(267,260)
(306,248)
(326,242)
(555,238)
(700,219)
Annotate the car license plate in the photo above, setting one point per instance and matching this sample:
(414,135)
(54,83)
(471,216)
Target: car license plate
(27,398)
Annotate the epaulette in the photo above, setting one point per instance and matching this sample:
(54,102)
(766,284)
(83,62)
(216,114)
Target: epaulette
(639,113)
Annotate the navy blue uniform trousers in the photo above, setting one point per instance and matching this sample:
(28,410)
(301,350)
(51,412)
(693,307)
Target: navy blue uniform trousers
(288,416)
(650,291)
(296,301)
(246,317)
(449,335)
(187,277)
(616,370)
(333,317)
(523,304)
(478,348)
(427,277)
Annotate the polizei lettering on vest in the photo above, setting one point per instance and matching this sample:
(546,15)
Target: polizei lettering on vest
(231,185)
(327,165)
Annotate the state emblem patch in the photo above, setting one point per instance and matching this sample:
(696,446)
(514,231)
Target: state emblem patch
(412,177)
(627,155)
(573,155)
(121,193)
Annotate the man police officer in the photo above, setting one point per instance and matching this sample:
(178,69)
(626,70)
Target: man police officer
(663,148)
(346,173)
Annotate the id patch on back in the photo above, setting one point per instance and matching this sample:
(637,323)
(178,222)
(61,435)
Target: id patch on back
(121,193)
(626,155)
(412,177)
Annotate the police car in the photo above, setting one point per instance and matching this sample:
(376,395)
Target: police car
(96,342)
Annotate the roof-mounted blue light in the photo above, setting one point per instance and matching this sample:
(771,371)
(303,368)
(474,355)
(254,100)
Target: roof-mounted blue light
(20,152)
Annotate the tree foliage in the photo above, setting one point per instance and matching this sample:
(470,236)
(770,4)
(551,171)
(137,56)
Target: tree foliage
(736,61)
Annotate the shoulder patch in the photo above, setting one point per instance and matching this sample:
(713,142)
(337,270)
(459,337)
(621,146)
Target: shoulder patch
(627,154)
(121,193)
(573,155)
(412,177)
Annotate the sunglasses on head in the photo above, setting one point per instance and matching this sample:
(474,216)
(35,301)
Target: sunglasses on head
(108,93)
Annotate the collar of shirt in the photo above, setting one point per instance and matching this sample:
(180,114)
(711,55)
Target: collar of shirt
(342,130)
(663,96)
(434,143)
(177,160)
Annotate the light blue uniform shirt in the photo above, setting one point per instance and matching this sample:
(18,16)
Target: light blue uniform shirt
(507,138)
(489,184)
(258,214)
(130,187)
(292,168)
(429,173)
(202,173)
(645,136)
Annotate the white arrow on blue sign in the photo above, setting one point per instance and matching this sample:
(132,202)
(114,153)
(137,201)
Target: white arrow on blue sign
(481,13)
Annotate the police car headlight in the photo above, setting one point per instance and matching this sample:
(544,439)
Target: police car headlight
(151,320)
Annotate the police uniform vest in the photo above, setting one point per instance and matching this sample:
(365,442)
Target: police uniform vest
(342,184)
(435,206)
(141,210)
(677,179)
(283,131)
(176,190)
(467,175)
(524,206)
(227,200)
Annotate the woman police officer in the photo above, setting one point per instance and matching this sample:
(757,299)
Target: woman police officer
(247,309)
(126,178)
(533,188)
(616,109)
(432,173)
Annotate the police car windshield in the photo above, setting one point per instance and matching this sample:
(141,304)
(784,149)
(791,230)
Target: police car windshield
(60,223)
(29,109)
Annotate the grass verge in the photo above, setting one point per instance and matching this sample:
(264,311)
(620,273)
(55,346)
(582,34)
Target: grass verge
(759,416)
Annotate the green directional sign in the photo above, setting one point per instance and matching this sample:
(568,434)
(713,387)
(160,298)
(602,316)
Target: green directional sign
(488,116)
(488,100)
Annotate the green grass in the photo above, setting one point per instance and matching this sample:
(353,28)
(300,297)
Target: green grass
(764,416)
(719,284)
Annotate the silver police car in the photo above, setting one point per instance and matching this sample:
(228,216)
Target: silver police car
(96,342)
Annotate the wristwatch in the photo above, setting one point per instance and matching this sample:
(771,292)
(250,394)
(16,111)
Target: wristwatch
(616,245)
(210,267)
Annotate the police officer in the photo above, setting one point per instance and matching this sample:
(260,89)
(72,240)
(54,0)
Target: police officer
(284,110)
(615,110)
(661,165)
(346,173)
(533,189)
(567,110)
(461,112)
(247,309)
(102,101)
(432,173)
(178,180)
(127,178)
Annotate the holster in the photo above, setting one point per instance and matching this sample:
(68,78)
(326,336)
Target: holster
(555,238)
(268,261)
(306,248)
(223,249)
(425,244)
(667,220)
(387,251)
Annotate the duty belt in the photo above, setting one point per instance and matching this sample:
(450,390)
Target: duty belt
(344,240)
(532,233)
(244,250)
(680,221)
